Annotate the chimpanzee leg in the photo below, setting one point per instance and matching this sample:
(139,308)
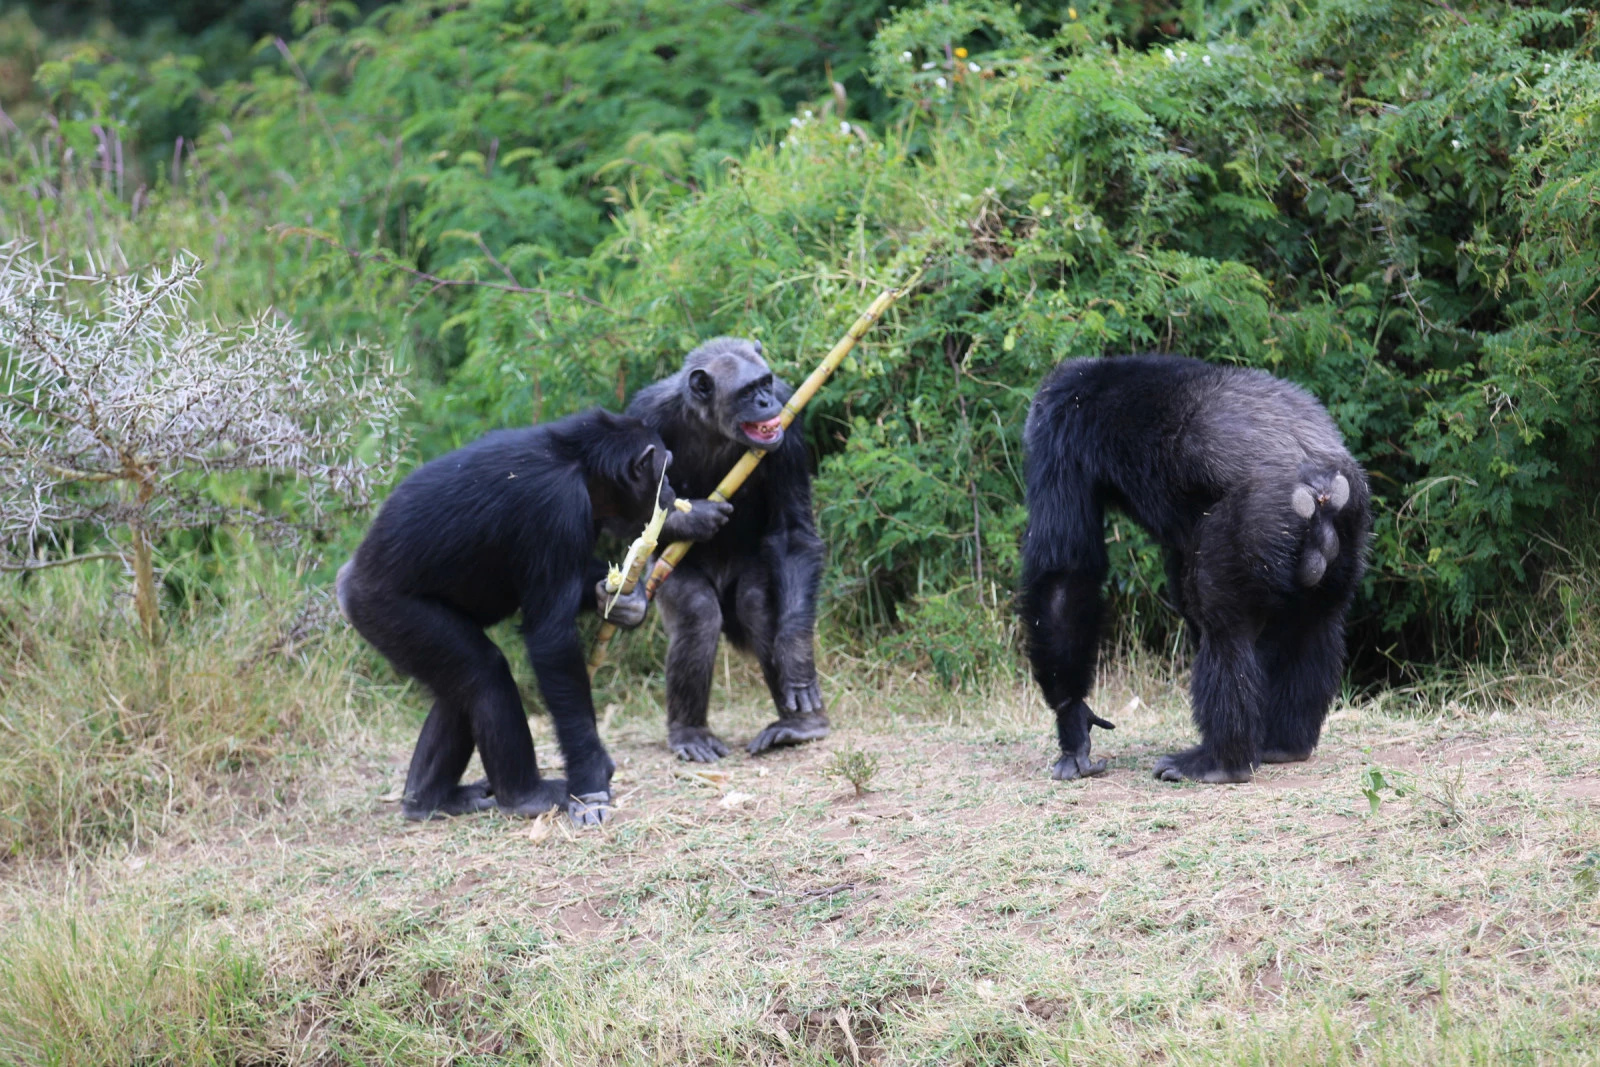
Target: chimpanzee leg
(693,617)
(758,622)
(1226,694)
(1303,658)
(443,749)
(475,701)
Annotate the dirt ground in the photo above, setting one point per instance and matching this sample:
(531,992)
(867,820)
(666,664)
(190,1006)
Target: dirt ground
(966,908)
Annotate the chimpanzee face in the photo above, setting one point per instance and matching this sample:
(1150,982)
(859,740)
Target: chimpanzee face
(732,388)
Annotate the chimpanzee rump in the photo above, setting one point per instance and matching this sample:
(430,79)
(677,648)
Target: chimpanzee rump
(755,578)
(507,523)
(1264,517)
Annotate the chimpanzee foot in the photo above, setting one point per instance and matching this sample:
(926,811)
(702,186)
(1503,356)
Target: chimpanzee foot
(589,809)
(1278,755)
(461,800)
(1198,765)
(549,795)
(1078,766)
(790,730)
(696,744)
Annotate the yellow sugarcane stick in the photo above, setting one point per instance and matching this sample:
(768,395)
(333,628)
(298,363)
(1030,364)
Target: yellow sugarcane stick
(747,463)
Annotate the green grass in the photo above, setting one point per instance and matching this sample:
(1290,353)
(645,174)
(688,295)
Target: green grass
(967,909)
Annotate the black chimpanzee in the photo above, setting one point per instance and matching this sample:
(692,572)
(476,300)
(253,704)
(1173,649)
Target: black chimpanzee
(1264,516)
(755,578)
(507,523)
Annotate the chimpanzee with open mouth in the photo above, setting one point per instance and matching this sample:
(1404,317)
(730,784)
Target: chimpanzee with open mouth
(755,576)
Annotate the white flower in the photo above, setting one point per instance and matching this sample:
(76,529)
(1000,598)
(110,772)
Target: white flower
(810,114)
(905,57)
(1547,68)
(1170,57)
(1206,60)
(928,65)
(974,67)
(939,82)
(1455,144)
(844,127)
(794,122)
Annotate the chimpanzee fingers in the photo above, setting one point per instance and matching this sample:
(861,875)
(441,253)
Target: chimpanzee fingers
(700,523)
(589,809)
(790,731)
(629,609)
(1070,767)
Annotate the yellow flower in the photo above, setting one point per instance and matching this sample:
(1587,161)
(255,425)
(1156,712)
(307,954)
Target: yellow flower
(961,53)
(1072,13)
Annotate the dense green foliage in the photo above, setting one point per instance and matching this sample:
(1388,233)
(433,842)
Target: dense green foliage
(1390,201)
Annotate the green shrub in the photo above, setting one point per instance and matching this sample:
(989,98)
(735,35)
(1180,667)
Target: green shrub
(1387,200)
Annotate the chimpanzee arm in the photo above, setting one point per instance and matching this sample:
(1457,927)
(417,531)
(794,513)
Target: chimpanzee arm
(793,554)
(1064,563)
(556,652)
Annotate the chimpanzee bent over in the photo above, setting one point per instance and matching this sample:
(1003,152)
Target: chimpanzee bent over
(1245,482)
(505,524)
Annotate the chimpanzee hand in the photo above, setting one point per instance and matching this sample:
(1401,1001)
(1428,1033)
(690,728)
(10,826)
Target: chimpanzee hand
(802,697)
(629,610)
(589,809)
(700,523)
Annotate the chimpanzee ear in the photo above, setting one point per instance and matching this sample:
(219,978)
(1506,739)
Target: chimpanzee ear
(644,465)
(757,346)
(700,384)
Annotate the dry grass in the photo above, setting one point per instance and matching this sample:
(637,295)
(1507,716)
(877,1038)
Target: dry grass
(105,739)
(965,910)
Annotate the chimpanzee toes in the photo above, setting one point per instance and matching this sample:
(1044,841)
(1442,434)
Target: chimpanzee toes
(1198,765)
(461,800)
(790,730)
(1166,772)
(696,744)
(551,795)
(589,809)
(1075,766)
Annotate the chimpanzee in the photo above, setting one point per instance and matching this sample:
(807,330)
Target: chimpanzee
(1264,517)
(754,579)
(507,523)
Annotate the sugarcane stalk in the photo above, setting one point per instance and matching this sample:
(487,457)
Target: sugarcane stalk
(747,463)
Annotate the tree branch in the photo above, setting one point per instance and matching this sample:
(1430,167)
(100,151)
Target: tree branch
(45,565)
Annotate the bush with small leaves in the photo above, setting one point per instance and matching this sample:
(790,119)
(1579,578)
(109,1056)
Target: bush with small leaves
(124,417)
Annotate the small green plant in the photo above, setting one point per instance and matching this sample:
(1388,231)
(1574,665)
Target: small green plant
(1373,783)
(854,766)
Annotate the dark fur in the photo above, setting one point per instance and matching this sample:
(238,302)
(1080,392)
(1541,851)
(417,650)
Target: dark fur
(507,523)
(754,579)
(1237,475)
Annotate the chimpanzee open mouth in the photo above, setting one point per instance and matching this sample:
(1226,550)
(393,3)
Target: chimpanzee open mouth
(764,433)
